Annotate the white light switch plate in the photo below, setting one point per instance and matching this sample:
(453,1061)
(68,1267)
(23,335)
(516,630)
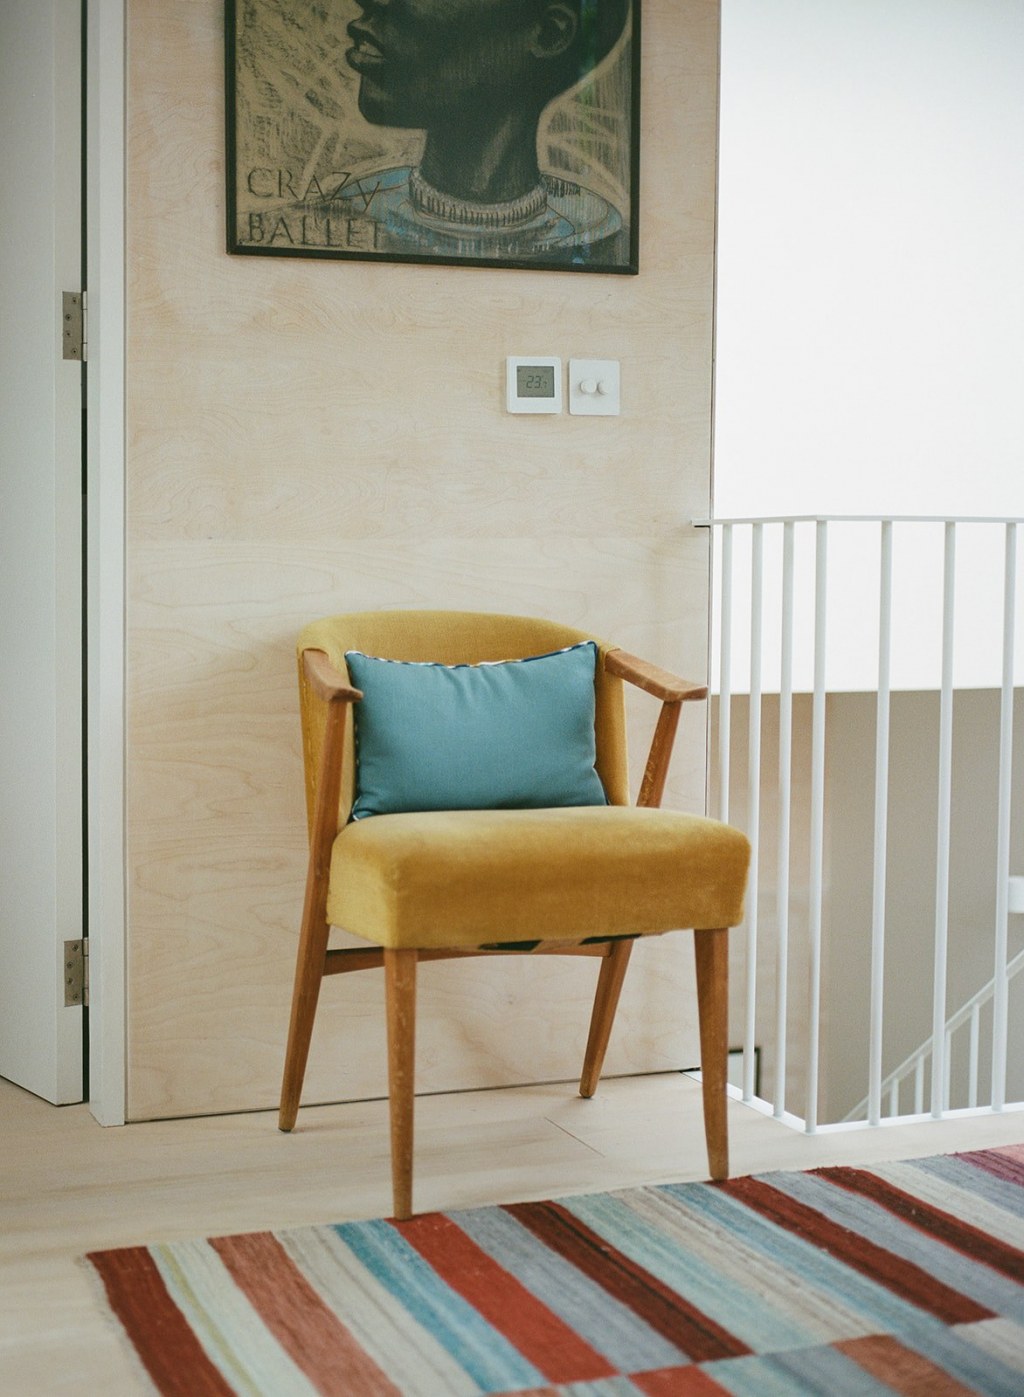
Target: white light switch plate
(594,387)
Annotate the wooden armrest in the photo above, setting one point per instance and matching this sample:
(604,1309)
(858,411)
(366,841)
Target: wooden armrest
(325,680)
(673,692)
(659,682)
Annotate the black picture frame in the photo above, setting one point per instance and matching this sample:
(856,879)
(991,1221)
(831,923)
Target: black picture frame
(318,166)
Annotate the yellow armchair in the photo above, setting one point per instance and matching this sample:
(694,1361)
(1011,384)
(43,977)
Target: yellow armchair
(443,883)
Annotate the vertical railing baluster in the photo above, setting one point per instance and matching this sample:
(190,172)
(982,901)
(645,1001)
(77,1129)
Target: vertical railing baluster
(1000,996)
(932,1081)
(972,1061)
(881,827)
(753,803)
(919,1086)
(939,1072)
(785,818)
(817,855)
(725,676)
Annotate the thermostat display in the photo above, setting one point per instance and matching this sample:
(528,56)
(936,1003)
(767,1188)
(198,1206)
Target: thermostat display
(533,383)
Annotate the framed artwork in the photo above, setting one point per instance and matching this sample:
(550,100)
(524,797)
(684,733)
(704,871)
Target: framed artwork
(494,133)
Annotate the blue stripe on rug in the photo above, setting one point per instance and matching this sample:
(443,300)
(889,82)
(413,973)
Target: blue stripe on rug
(972,1178)
(806,1264)
(999,1339)
(602,1387)
(759,1321)
(903,1239)
(984,1373)
(612,1328)
(487,1356)
(811,1372)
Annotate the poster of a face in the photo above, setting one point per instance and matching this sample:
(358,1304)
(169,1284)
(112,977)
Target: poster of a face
(483,132)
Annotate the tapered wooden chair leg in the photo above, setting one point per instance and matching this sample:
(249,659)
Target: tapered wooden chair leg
(400,989)
(606,1000)
(712,954)
(309,972)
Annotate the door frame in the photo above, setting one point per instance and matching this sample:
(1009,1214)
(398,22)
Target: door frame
(105,85)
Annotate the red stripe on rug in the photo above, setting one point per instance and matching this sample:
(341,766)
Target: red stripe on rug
(531,1392)
(677,1382)
(902,1277)
(668,1313)
(159,1332)
(1010,1151)
(302,1323)
(535,1331)
(935,1222)
(1006,1164)
(900,1368)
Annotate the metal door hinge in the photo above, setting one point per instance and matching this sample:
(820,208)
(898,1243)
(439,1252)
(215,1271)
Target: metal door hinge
(74,337)
(76,973)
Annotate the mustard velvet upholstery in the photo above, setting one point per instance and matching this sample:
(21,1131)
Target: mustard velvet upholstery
(449,882)
(451,638)
(457,878)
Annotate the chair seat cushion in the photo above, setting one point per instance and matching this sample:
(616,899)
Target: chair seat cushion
(460,878)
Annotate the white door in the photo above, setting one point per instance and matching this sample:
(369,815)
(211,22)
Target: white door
(41,783)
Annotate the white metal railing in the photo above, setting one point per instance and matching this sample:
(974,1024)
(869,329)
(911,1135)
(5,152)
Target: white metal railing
(787,576)
(912,1068)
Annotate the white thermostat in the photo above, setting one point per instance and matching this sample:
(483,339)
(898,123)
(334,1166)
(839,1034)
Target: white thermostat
(533,383)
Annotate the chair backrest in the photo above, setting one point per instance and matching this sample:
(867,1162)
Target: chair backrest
(451,638)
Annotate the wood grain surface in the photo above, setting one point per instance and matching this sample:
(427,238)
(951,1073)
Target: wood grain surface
(309,437)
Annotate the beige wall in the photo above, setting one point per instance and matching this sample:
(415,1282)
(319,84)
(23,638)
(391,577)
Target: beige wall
(307,437)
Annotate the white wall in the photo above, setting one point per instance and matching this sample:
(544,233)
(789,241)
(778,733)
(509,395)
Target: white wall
(870,330)
(870,276)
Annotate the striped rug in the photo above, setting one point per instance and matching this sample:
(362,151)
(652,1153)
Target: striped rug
(905,1278)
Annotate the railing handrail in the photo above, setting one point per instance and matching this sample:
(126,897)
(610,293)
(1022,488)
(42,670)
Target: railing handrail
(962,1016)
(712,521)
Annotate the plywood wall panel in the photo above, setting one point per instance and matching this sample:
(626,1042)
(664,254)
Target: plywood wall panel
(310,437)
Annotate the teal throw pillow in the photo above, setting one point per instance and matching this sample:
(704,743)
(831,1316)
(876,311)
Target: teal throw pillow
(512,735)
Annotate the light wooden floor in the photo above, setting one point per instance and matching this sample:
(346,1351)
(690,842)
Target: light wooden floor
(68,1185)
